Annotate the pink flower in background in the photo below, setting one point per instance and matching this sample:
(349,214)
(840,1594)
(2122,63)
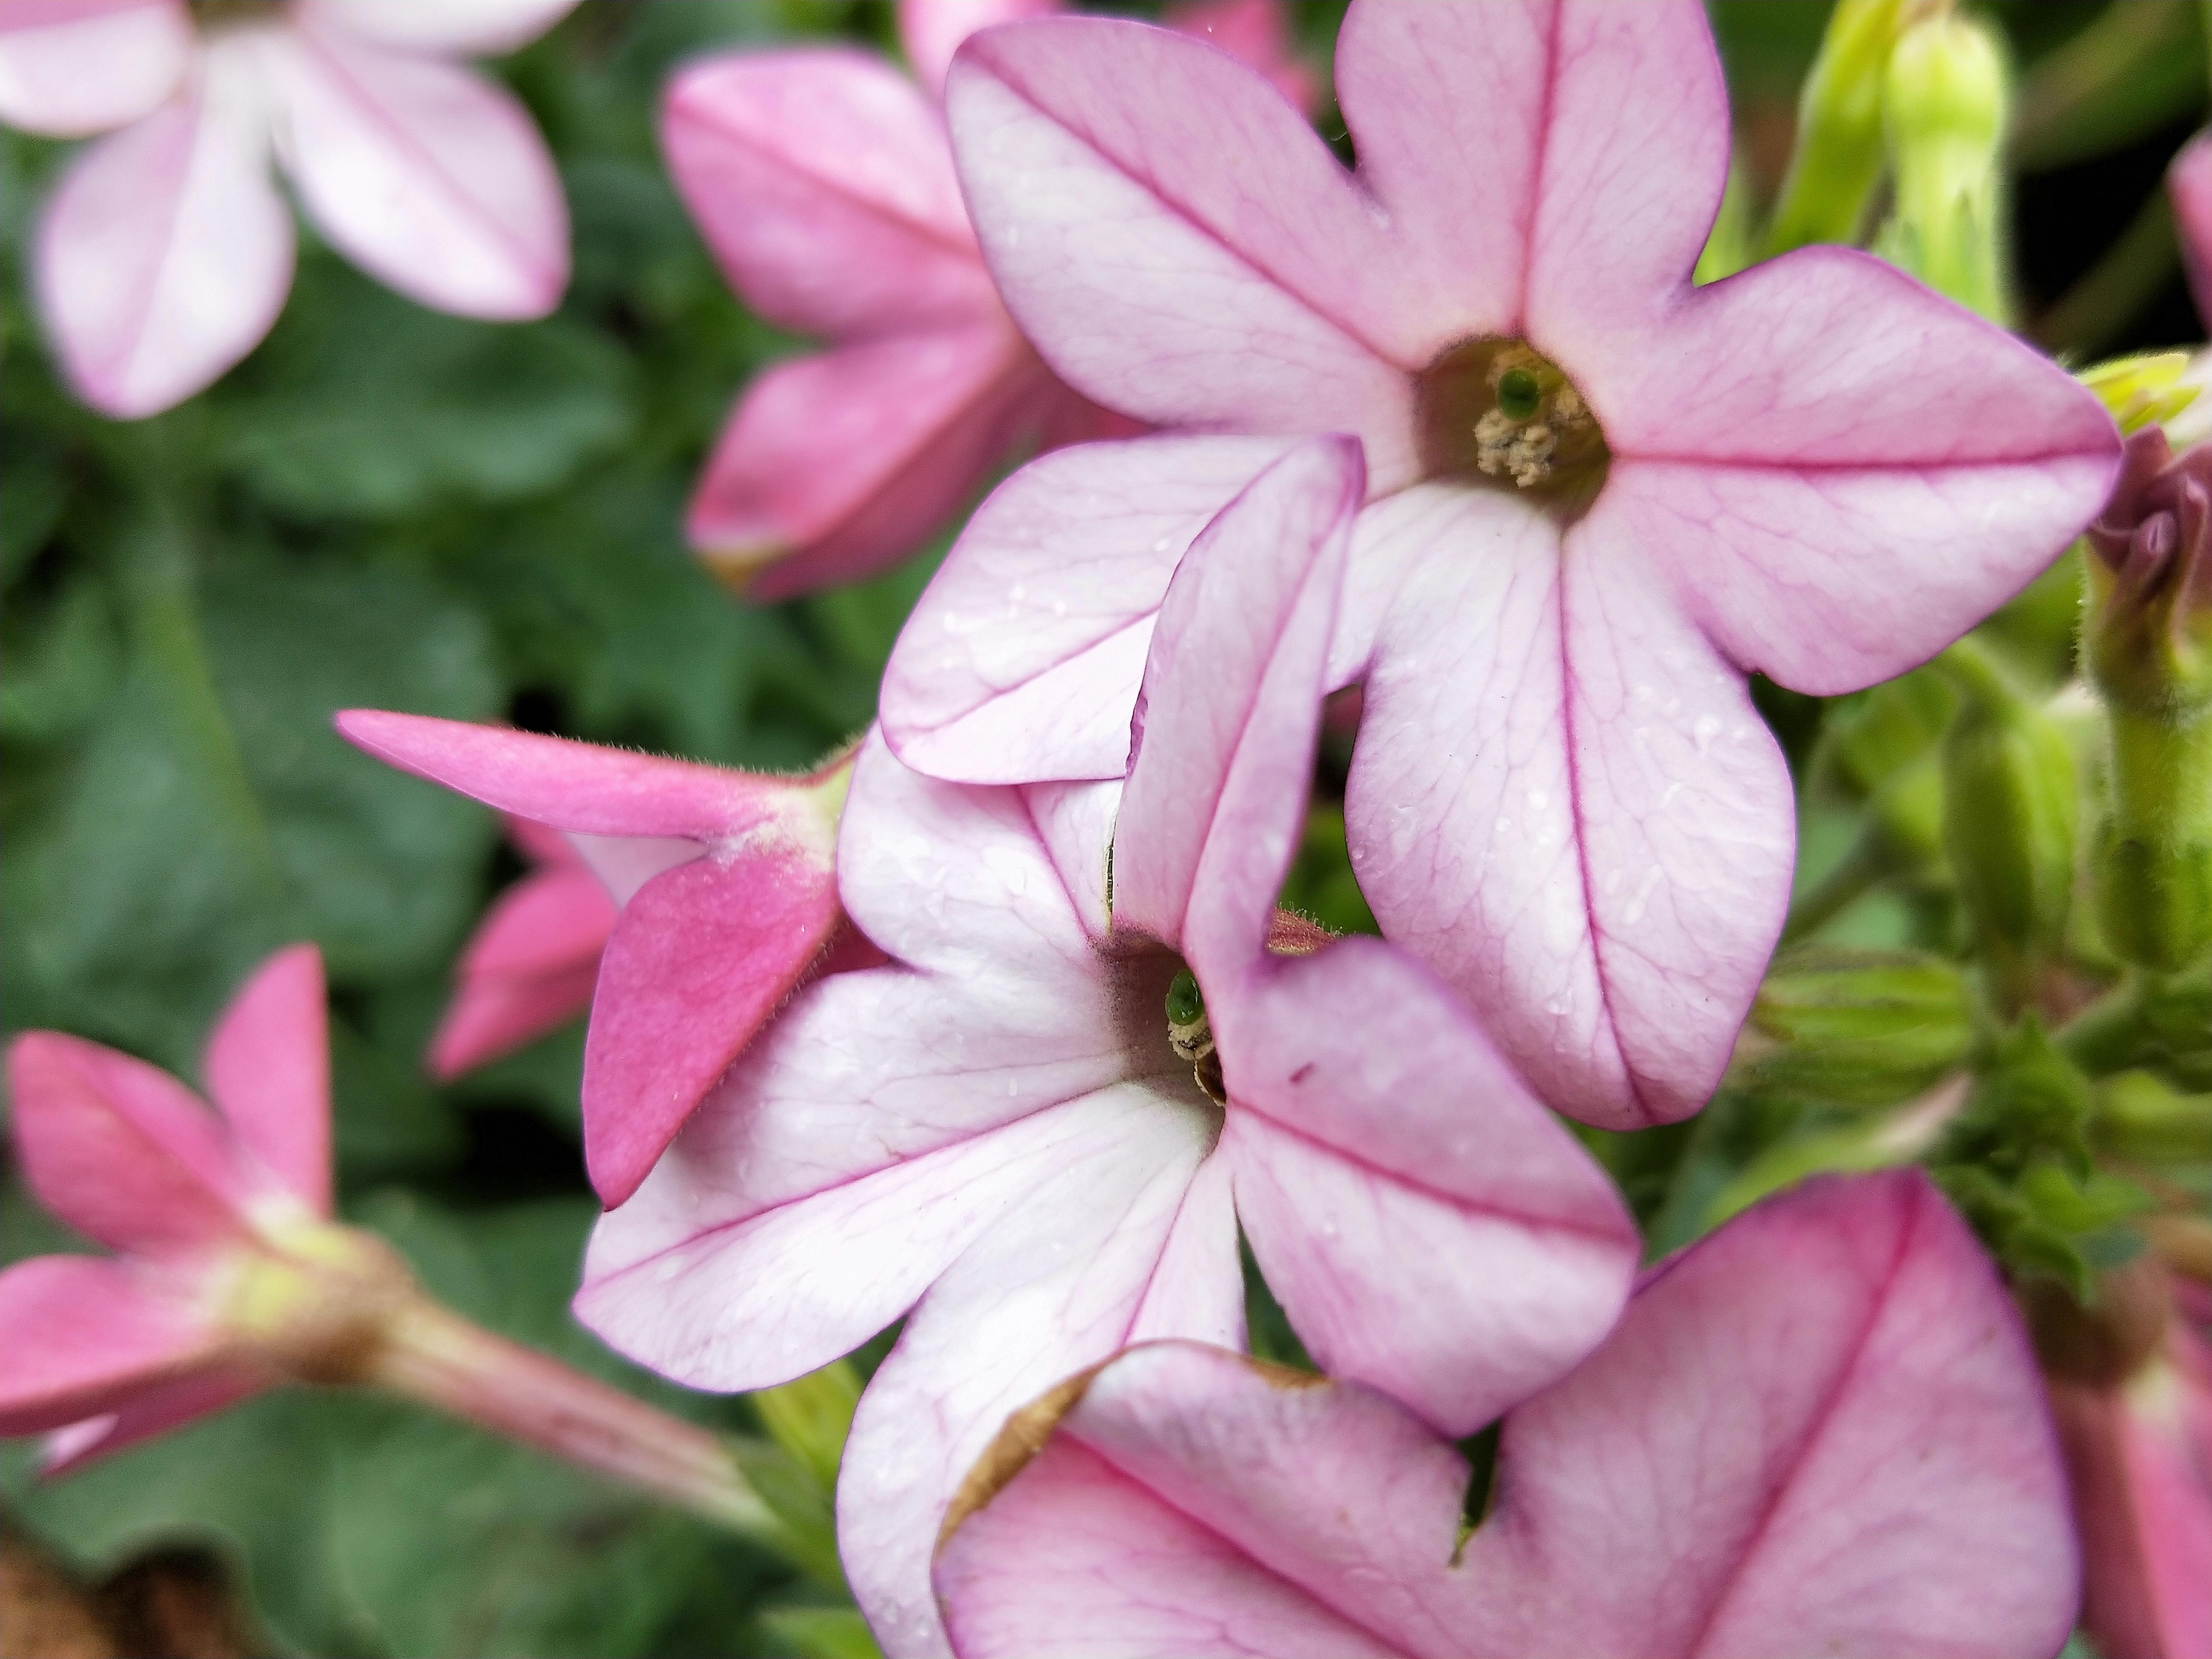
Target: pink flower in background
(821,180)
(165,252)
(726,887)
(1031,1138)
(2138,1440)
(1816,1431)
(2189,188)
(1599,497)
(106,1351)
(533,960)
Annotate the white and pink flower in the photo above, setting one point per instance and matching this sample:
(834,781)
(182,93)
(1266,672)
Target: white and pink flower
(1008,1135)
(823,180)
(165,252)
(1599,497)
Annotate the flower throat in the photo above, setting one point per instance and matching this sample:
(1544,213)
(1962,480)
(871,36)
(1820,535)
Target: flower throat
(1494,411)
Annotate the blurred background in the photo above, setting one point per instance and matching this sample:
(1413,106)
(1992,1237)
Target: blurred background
(390,506)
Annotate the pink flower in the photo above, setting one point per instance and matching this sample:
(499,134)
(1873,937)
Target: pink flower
(2189,188)
(726,887)
(532,963)
(1817,1431)
(1598,498)
(165,252)
(1028,1137)
(2134,1416)
(823,183)
(234,1276)
(206,1211)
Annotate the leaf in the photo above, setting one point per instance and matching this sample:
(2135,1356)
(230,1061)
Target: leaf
(210,815)
(369,406)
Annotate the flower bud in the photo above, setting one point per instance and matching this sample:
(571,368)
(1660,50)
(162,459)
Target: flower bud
(1860,1028)
(1946,101)
(1837,160)
(2144,390)
(2141,1116)
(2010,819)
(2148,642)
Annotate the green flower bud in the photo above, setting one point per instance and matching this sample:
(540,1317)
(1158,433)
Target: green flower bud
(2147,638)
(2009,820)
(2030,1104)
(2141,1116)
(1860,1028)
(1946,101)
(1837,160)
(2140,391)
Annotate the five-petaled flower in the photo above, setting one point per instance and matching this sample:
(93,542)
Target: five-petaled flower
(230,1274)
(1599,497)
(823,183)
(1033,1136)
(165,252)
(1817,1431)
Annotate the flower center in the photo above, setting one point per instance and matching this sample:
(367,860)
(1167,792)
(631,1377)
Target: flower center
(209,12)
(1191,1036)
(1494,411)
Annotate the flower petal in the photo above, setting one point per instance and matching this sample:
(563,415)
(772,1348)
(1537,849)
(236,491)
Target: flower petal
(154,1410)
(123,1152)
(588,790)
(1049,1566)
(1429,1227)
(2189,186)
(838,465)
(85,1336)
(1055,1284)
(68,70)
(1841,502)
(166,254)
(1221,746)
(1176,240)
(427,176)
(268,1068)
(1024,657)
(2143,1501)
(1563,800)
(700,958)
(471,27)
(1551,168)
(551,921)
(1633,155)
(957,880)
(495,1015)
(821,180)
(1256,33)
(931,31)
(1819,1430)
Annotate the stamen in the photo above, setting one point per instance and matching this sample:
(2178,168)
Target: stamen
(1191,1035)
(1496,409)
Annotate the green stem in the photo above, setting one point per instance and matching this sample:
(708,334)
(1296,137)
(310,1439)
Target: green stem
(431,1355)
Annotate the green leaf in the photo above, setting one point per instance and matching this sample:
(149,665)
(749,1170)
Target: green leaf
(368,406)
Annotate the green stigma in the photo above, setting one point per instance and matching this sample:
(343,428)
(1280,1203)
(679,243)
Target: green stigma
(1519,393)
(1186,1006)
